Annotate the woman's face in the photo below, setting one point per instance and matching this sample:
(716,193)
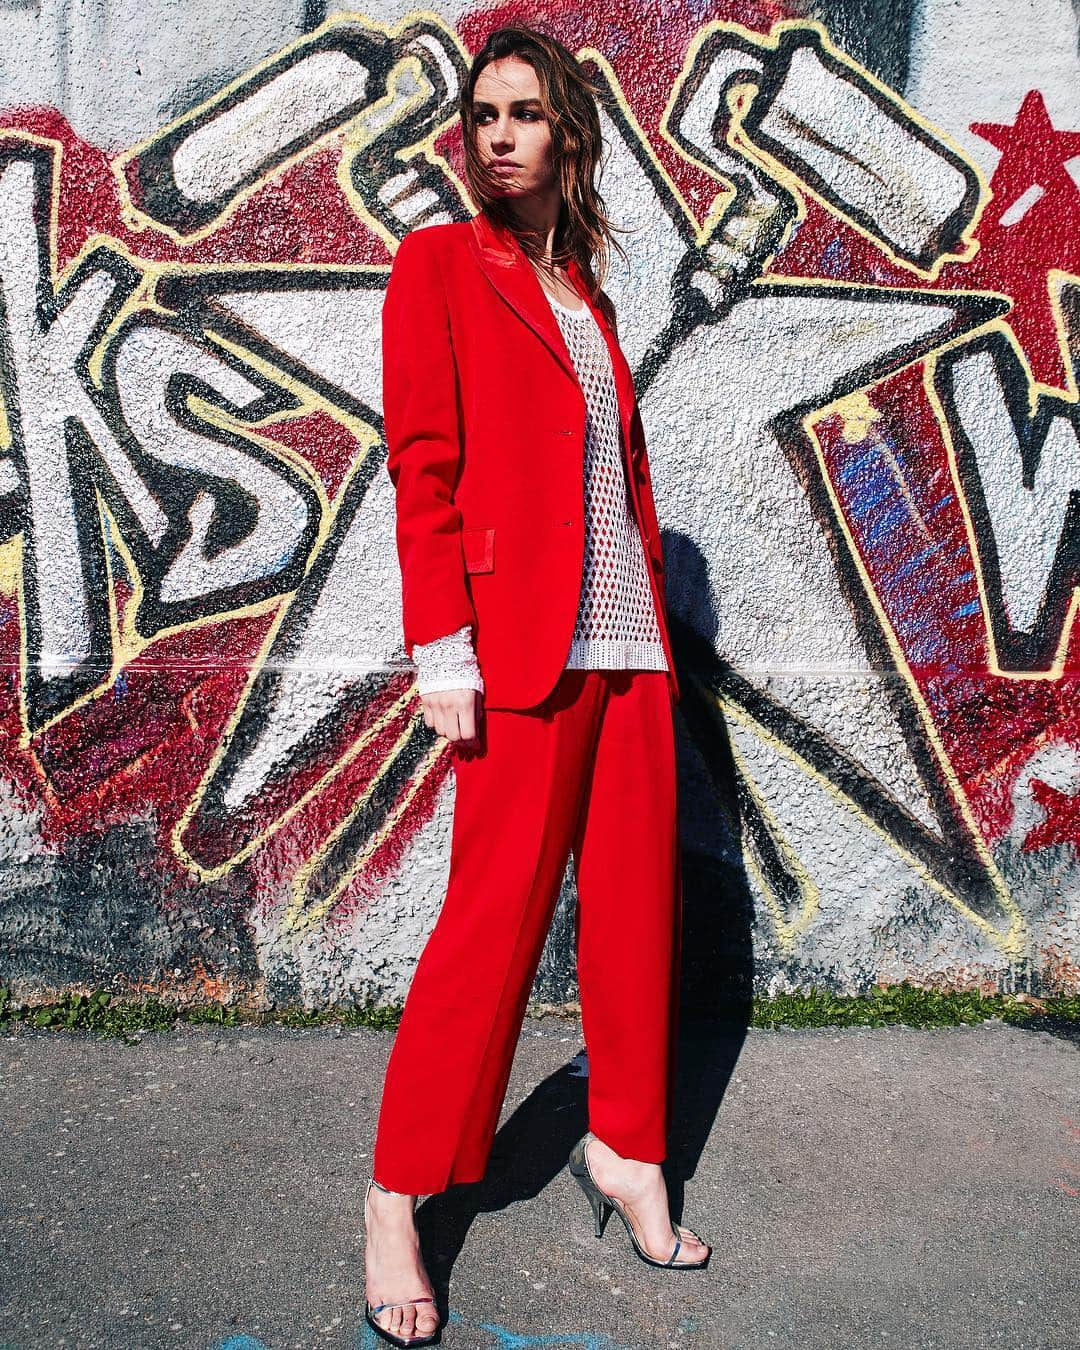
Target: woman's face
(511,125)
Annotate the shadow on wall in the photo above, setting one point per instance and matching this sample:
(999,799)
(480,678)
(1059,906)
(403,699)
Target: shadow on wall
(877,33)
(718,905)
(718,909)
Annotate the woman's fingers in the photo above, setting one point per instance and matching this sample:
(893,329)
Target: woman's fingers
(453,713)
(466,718)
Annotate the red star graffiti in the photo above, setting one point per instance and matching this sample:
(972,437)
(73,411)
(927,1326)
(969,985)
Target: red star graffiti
(1030,228)
(1033,150)
(1061,824)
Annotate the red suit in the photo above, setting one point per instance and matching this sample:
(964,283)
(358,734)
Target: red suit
(485,428)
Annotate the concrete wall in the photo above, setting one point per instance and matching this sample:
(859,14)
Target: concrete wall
(853,309)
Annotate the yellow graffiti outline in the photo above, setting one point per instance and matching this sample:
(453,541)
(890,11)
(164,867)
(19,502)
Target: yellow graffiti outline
(389,715)
(308,398)
(642,139)
(367,439)
(137,220)
(810,893)
(126,643)
(1036,389)
(352,141)
(739,141)
(1057,665)
(256,667)
(298,914)
(10,563)
(1011,942)
(356,139)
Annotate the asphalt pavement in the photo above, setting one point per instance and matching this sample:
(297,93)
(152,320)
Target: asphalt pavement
(860,1187)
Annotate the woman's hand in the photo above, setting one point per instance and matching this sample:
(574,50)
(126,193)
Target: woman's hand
(454,713)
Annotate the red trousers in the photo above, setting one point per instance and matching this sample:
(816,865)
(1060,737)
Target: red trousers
(591,771)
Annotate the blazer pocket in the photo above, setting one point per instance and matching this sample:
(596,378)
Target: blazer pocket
(478,548)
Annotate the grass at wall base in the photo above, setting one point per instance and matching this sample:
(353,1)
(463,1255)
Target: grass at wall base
(105,1014)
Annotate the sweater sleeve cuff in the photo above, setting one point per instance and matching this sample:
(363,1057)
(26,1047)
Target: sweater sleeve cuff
(448,662)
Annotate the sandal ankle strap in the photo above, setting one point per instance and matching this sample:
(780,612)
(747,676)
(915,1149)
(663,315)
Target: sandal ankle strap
(386,1189)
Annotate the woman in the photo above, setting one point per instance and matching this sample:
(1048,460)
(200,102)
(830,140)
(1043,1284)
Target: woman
(533,608)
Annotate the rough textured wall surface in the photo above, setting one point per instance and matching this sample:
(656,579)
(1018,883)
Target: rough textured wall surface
(853,309)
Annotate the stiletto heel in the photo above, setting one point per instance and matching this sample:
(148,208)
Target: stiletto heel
(370,1312)
(599,1200)
(598,1207)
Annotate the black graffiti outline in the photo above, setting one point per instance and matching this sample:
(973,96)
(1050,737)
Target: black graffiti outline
(1016,651)
(195,296)
(213,833)
(954,857)
(45,699)
(176,489)
(148,173)
(951,232)
(688,310)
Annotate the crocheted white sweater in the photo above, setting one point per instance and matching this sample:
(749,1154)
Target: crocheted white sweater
(616,626)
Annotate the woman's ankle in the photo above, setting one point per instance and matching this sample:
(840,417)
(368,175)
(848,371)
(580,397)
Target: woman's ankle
(396,1209)
(388,1190)
(627,1157)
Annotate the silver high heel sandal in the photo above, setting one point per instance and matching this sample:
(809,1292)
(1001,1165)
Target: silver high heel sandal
(599,1200)
(370,1313)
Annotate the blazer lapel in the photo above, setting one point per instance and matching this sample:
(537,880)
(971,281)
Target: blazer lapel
(505,265)
(503,262)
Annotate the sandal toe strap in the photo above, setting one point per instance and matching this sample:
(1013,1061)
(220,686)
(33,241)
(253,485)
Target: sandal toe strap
(408,1303)
(681,1229)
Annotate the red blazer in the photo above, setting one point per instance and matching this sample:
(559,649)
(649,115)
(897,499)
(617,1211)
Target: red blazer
(485,432)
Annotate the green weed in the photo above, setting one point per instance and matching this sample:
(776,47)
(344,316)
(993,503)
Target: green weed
(106,1015)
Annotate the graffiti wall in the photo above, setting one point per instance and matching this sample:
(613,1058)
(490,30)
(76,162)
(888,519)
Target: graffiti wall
(852,304)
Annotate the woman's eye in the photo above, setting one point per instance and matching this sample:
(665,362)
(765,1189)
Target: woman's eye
(529,115)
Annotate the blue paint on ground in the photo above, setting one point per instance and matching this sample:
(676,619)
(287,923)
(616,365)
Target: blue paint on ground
(505,1339)
(585,1339)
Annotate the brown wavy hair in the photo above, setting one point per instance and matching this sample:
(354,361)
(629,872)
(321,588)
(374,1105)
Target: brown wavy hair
(569,99)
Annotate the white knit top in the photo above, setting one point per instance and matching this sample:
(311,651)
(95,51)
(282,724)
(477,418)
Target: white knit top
(616,626)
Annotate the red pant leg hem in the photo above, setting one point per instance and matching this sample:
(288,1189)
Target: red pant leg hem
(412,1182)
(637,1147)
